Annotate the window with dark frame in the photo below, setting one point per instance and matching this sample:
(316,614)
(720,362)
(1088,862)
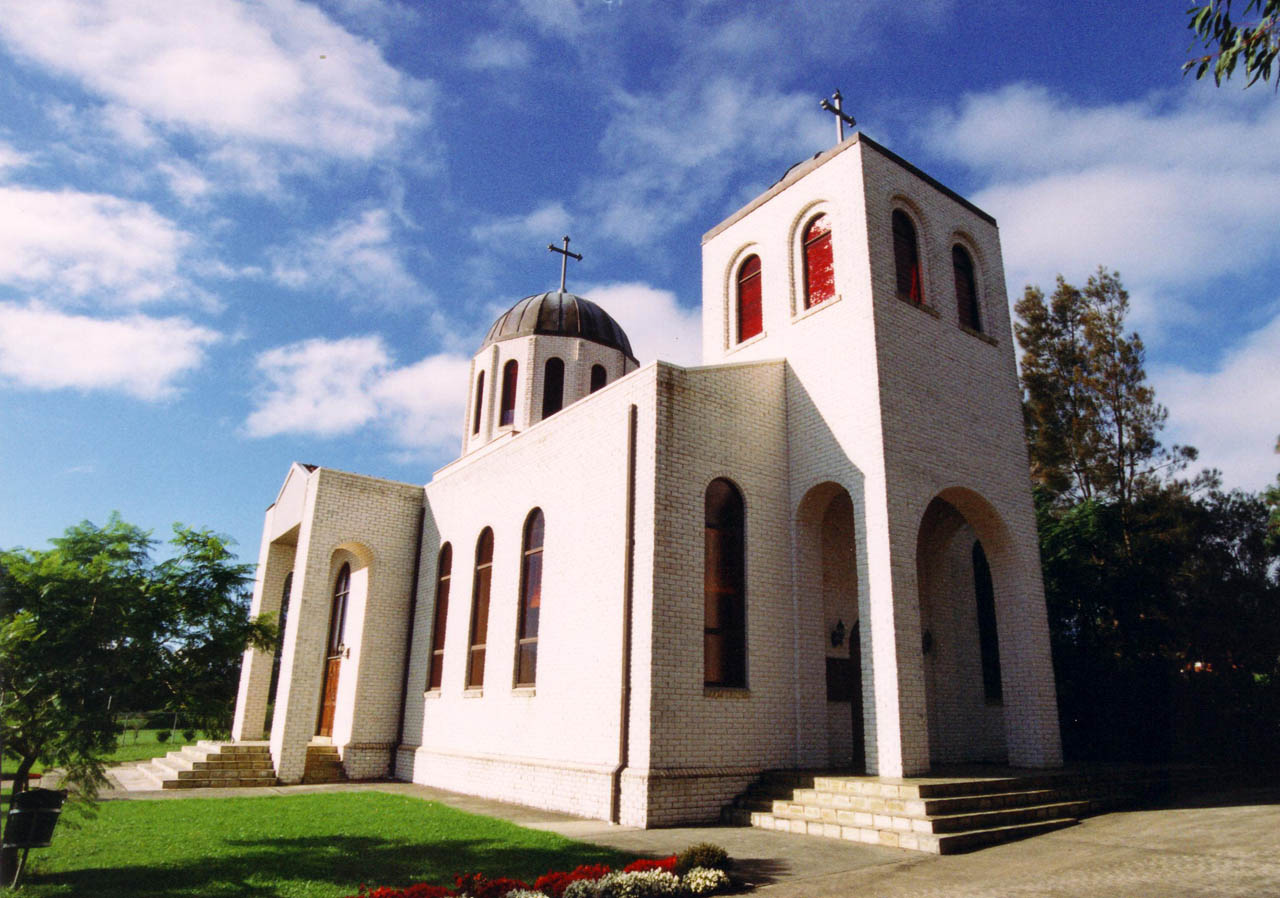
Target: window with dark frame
(724,643)
(510,371)
(480,609)
(966,288)
(530,600)
(552,386)
(338,611)
(819,264)
(444,568)
(906,257)
(599,377)
(988,636)
(750,320)
(475,418)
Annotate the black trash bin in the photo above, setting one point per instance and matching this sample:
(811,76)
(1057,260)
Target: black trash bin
(32,817)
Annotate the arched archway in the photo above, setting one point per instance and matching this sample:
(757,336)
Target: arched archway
(827,566)
(962,563)
(348,585)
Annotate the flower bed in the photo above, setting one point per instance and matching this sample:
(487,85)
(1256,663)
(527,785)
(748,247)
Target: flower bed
(642,878)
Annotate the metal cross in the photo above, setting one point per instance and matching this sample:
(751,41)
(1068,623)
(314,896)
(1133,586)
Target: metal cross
(564,258)
(838,111)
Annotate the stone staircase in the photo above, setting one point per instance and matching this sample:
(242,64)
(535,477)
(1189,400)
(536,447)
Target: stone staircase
(208,763)
(935,814)
(323,765)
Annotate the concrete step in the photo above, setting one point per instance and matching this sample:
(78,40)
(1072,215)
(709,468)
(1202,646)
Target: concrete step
(211,764)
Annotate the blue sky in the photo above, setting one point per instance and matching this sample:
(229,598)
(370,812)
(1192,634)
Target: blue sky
(216,218)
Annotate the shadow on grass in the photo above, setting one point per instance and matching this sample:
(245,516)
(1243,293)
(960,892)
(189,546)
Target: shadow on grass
(320,866)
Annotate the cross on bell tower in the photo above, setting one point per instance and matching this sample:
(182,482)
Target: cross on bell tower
(835,108)
(564,258)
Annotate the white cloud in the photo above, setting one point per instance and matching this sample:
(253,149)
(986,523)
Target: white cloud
(185,181)
(674,155)
(1232,413)
(11,158)
(279,72)
(496,51)
(45,349)
(546,222)
(1174,193)
(357,258)
(80,244)
(330,387)
(656,324)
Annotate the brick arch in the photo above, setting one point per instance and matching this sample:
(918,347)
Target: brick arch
(729,290)
(965,724)
(795,247)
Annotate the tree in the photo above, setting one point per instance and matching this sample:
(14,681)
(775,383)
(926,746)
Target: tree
(94,626)
(1092,419)
(1255,42)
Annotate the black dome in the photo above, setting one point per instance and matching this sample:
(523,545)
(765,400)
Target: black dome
(557,314)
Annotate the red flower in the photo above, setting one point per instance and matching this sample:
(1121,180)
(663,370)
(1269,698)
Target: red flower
(666,864)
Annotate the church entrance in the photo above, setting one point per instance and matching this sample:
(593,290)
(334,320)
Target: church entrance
(959,634)
(334,651)
(828,567)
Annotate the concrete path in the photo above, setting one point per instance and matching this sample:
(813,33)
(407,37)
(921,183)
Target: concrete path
(1226,845)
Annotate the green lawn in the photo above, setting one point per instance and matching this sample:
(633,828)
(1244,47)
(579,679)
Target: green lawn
(322,845)
(145,746)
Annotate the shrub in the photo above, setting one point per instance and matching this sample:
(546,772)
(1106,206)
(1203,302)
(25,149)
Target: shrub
(162,736)
(664,863)
(555,884)
(703,854)
(421,890)
(189,734)
(705,881)
(477,885)
(524,893)
(642,884)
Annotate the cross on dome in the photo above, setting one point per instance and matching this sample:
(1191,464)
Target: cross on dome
(836,109)
(564,258)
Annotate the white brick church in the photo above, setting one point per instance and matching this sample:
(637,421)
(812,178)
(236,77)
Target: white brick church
(639,587)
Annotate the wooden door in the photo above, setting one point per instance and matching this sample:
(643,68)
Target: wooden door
(330,700)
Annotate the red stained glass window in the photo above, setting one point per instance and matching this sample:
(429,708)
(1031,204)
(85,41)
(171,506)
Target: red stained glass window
(530,601)
(819,267)
(906,257)
(552,387)
(750,321)
(966,288)
(480,608)
(724,587)
(443,571)
(509,373)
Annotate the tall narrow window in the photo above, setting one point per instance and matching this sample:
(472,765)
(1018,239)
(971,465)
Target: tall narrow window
(475,417)
(480,608)
(281,620)
(598,377)
(819,267)
(552,386)
(508,413)
(966,288)
(906,257)
(338,612)
(750,321)
(724,644)
(987,635)
(444,569)
(530,600)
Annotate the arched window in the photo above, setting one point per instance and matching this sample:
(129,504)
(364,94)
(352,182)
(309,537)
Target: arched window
(475,418)
(444,569)
(552,386)
(480,608)
(724,644)
(906,257)
(966,288)
(988,638)
(508,413)
(338,611)
(530,600)
(598,377)
(819,266)
(750,321)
